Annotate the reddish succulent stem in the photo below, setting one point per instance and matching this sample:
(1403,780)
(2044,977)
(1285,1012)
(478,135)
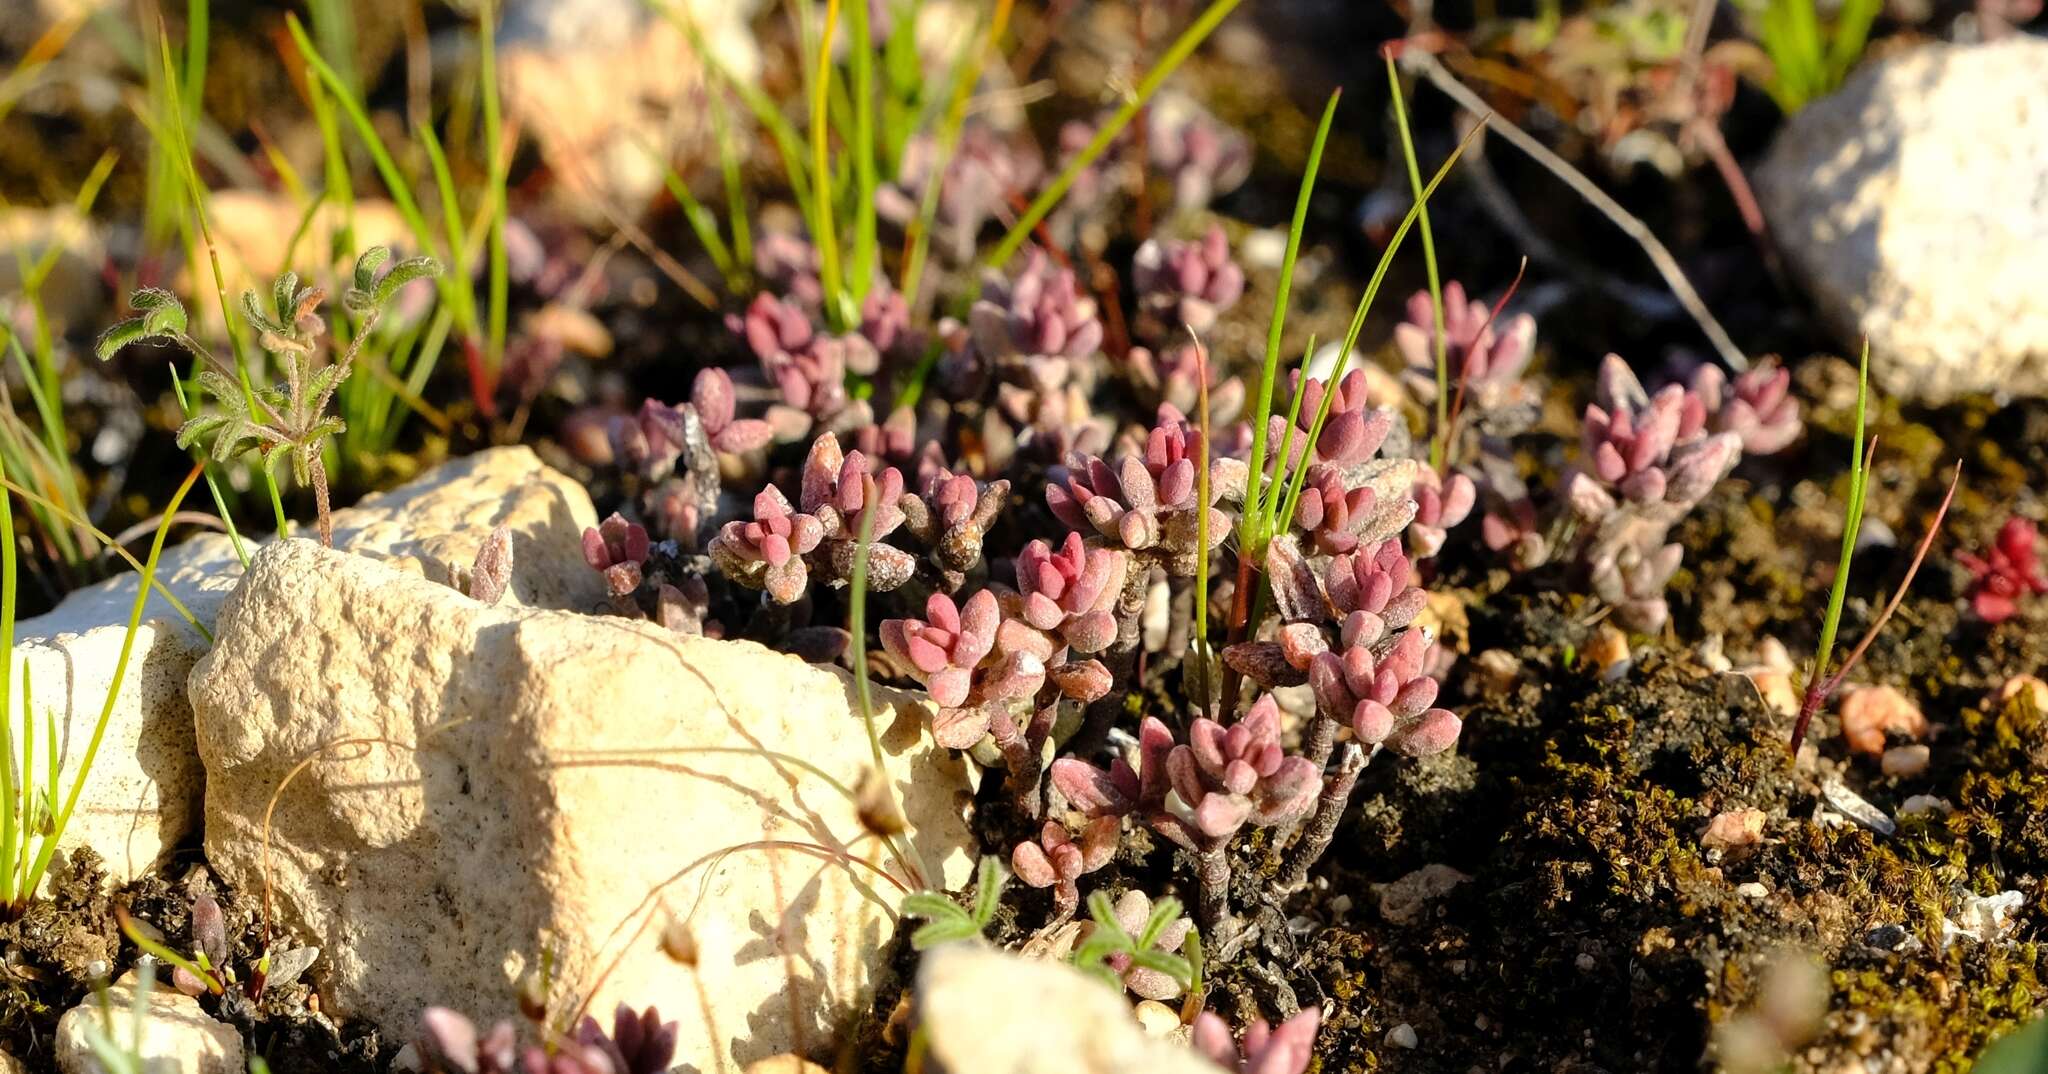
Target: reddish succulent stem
(1818,689)
(1322,829)
(1212,893)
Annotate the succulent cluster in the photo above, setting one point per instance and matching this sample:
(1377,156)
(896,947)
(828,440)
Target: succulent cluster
(2007,571)
(1147,501)
(1645,462)
(1185,284)
(1757,405)
(636,1043)
(1265,1050)
(1203,157)
(1025,625)
(1484,366)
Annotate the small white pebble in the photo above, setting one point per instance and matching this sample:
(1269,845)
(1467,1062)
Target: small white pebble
(1905,762)
(1458,966)
(1586,962)
(1752,890)
(1340,905)
(1402,1036)
(1925,803)
(1157,1018)
(1264,248)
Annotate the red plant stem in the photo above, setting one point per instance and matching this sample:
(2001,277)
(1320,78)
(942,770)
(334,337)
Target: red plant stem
(1044,233)
(1116,336)
(1239,613)
(1465,371)
(1818,690)
(1141,216)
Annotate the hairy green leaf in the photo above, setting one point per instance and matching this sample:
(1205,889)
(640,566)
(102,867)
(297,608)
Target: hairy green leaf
(120,335)
(405,272)
(1164,962)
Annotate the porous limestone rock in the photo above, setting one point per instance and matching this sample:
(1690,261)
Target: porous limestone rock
(489,783)
(177,1036)
(988,1012)
(143,793)
(1913,204)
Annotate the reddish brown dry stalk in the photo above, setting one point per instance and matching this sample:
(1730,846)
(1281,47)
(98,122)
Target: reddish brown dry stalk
(1819,690)
(1465,373)
(1052,249)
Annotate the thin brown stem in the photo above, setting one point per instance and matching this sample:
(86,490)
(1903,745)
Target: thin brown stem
(1667,266)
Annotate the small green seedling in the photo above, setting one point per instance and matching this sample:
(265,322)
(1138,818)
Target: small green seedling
(1820,685)
(123,1056)
(945,921)
(287,421)
(1109,940)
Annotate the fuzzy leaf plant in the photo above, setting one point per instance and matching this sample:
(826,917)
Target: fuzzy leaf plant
(287,421)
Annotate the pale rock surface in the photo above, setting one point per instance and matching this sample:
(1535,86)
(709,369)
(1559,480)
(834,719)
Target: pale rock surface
(177,1036)
(612,89)
(988,1012)
(143,796)
(522,780)
(1913,203)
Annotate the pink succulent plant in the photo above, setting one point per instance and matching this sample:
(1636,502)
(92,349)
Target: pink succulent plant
(1286,1050)
(768,552)
(617,549)
(1057,860)
(1386,699)
(2007,572)
(1185,283)
(1757,405)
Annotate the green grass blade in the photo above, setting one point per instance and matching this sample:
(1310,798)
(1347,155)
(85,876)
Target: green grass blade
(1281,463)
(735,191)
(703,223)
(1175,55)
(196,20)
(451,219)
(499,294)
(9,895)
(860,274)
(1852,32)
(196,193)
(395,183)
(1365,301)
(824,230)
(787,143)
(99,731)
(966,73)
(1251,542)
(1852,524)
(26,814)
(857,626)
(1441,333)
